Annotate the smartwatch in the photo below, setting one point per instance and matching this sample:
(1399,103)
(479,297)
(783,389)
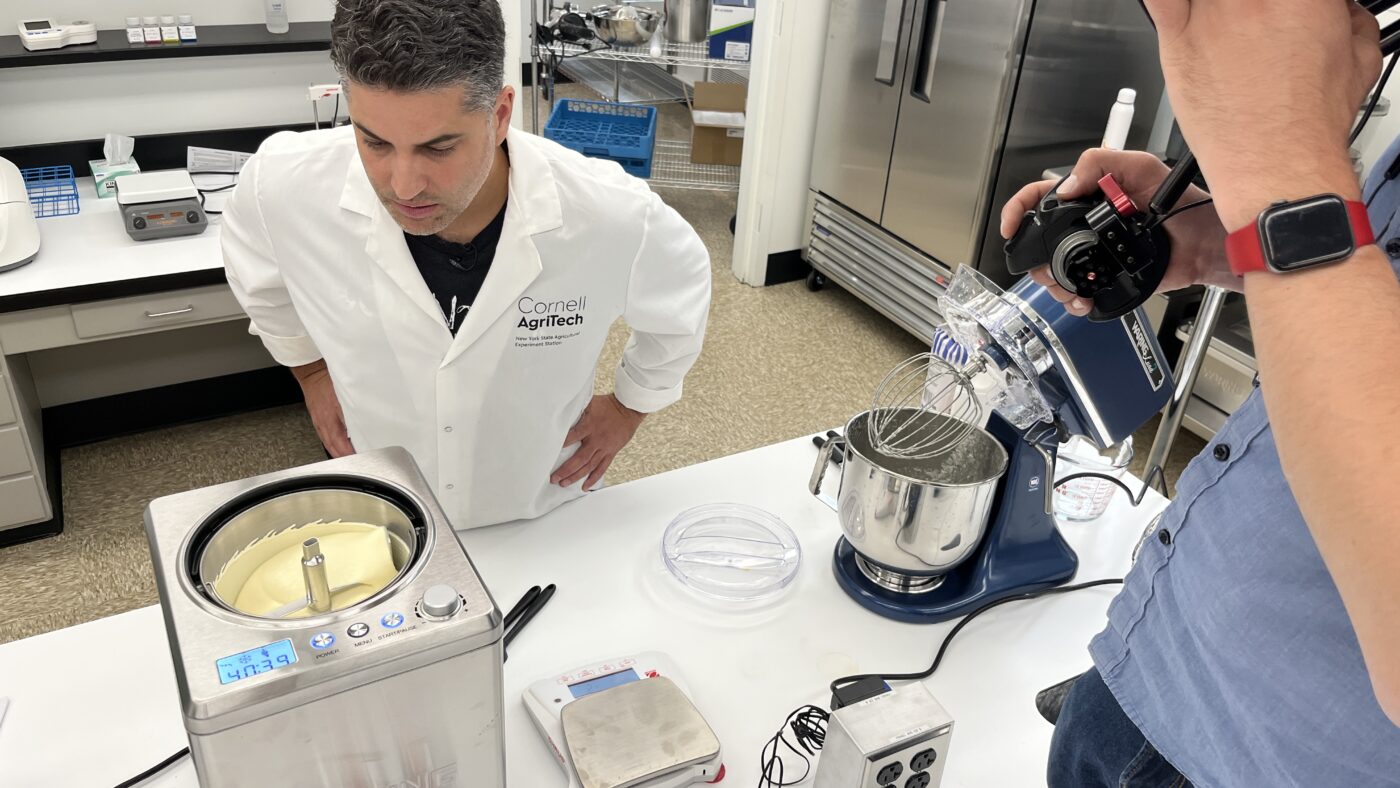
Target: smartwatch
(1296,236)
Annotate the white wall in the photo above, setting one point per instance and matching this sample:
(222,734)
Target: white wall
(784,89)
(111,14)
(85,101)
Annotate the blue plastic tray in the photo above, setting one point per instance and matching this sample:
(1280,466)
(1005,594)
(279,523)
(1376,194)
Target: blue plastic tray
(624,133)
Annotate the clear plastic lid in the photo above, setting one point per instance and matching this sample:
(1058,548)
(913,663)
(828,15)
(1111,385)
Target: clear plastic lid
(732,552)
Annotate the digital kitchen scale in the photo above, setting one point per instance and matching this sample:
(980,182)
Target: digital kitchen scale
(625,723)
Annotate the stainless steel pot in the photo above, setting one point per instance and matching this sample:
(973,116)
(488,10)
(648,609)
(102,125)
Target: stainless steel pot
(912,520)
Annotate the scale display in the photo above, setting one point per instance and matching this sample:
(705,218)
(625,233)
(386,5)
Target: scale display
(603,682)
(255,661)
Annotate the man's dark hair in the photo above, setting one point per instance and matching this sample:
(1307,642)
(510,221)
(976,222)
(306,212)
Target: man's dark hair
(411,45)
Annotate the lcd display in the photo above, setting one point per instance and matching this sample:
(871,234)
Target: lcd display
(254,661)
(604,682)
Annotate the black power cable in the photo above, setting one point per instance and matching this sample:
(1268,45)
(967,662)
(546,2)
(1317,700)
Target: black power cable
(154,770)
(808,727)
(948,639)
(1375,99)
(202,192)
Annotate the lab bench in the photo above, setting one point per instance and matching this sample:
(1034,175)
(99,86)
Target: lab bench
(747,667)
(95,319)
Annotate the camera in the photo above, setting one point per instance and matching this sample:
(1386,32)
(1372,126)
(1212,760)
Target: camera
(1101,248)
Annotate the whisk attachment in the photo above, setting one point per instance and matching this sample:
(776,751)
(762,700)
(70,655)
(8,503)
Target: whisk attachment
(924,407)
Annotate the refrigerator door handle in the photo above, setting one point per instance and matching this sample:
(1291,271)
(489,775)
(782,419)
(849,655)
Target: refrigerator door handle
(889,41)
(928,53)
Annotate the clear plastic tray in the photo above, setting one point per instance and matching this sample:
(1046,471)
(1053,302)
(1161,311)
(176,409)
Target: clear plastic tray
(732,552)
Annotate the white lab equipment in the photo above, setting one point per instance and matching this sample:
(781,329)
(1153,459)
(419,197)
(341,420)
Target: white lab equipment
(150,28)
(188,34)
(160,205)
(39,34)
(135,34)
(19,230)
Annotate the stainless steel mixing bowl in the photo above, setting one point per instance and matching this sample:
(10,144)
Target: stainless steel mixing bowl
(915,517)
(625,25)
(222,537)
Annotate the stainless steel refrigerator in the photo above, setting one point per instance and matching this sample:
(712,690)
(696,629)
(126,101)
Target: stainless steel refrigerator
(934,112)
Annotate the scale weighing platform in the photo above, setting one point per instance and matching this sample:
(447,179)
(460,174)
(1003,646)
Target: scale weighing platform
(602,722)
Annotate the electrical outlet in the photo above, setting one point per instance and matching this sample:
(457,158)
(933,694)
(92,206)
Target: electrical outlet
(897,739)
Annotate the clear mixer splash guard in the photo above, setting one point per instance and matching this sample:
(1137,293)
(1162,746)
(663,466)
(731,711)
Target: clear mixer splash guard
(989,326)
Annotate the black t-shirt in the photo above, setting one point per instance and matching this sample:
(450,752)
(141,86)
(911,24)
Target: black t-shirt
(455,272)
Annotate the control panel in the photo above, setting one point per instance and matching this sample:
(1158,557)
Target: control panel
(350,635)
(147,221)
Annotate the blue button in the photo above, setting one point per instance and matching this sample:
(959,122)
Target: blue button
(322,640)
(391,620)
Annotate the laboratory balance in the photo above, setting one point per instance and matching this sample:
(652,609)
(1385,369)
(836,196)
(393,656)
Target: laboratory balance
(328,629)
(626,722)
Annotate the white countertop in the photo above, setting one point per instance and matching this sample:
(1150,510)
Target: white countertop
(91,247)
(96,704)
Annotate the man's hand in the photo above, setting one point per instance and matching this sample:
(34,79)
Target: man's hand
(604,428)
(1266,93)
(324,407)
(1197,237)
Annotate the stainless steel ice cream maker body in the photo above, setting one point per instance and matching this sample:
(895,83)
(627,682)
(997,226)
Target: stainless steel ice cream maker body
(327,629)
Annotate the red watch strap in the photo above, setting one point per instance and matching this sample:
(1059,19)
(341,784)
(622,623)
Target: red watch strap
(1244,248)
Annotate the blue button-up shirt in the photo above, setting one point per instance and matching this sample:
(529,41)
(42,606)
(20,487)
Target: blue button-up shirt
(1229,645)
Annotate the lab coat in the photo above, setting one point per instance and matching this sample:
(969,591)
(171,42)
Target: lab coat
(323,271)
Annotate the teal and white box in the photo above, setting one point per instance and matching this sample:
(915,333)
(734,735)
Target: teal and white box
(104,175)
(731,29)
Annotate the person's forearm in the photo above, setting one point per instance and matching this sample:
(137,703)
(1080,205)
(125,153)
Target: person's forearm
(1328,345)
(305,371)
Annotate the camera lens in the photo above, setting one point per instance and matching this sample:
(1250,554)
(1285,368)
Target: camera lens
(1077,264)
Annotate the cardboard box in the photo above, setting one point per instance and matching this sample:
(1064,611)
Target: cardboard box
(731,29)
(104,175)
(717,115)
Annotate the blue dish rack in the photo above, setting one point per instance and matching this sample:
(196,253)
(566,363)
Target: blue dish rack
(624,133)
(52,190)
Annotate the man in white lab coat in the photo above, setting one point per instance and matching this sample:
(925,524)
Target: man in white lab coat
(439,281)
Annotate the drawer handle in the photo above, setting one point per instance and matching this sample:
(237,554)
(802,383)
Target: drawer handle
(171,313)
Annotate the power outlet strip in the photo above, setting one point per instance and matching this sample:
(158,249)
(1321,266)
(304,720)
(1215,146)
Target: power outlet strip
(897,739)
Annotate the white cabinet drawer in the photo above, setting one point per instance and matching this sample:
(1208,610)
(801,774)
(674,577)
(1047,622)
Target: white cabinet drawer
(154,312)
(7,410)
(21,502)
(14,457)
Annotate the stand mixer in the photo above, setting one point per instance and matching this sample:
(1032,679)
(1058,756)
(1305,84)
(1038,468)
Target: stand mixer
(947,482)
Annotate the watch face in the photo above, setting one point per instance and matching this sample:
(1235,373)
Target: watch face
(1307,233)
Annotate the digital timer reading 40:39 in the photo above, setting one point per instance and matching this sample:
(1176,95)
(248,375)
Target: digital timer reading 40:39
(254,661)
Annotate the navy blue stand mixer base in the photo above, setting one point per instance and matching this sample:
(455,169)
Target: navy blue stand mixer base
(1021,551)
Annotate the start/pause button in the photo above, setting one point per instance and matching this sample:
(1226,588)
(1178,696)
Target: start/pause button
(357,630)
